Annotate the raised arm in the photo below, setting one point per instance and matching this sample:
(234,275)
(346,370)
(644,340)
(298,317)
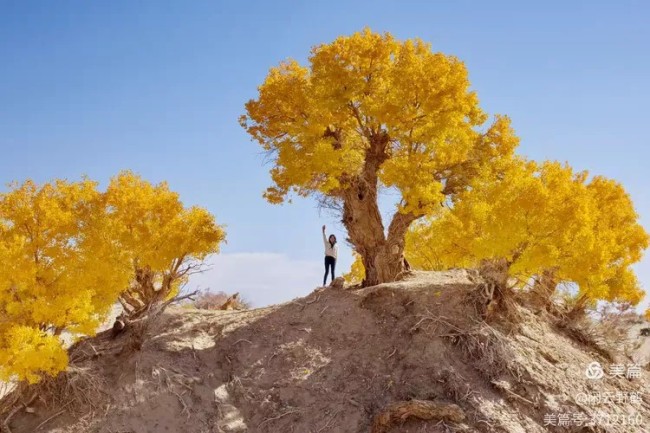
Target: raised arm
(324,238)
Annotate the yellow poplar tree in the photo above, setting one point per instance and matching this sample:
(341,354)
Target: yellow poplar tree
(52,278)
(162,240)
(543,222)
(370,111)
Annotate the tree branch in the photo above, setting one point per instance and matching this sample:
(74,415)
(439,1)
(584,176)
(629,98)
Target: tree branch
(400,224)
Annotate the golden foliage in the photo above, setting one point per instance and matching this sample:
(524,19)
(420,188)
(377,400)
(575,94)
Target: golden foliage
(541,219)
(370,110)
(320,120)
(27,353)
(162,241)
(68,252)
(646,315)
(219,300)
(357,272)
(51,277)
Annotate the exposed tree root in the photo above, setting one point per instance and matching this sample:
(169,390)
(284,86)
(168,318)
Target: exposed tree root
(420,409)
(20,405)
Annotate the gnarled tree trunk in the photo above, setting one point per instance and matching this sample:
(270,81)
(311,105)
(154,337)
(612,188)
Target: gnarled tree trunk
(382,253)
(144,292)
(385,260)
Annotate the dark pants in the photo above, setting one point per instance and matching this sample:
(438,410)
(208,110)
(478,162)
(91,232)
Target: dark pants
(330,262)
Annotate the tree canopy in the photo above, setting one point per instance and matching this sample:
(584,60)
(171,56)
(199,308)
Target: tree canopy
(51,278)
(68,252)
(162,241)
(370,111)
(545,221)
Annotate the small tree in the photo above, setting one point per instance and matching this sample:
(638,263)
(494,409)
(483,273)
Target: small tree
(53,278)
(162,241)
(371,111)
(545,224)
(68,252)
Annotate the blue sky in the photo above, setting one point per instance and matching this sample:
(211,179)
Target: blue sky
(157,87)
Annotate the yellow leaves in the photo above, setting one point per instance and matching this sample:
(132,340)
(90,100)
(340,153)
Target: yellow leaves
(617,210)
(320,121)
(45,272)
(43,243)
(154,228)
(369,111)
(646,315)
(137,210)
(158,234)
(412,175)
(622,285)
(357,271)
(353,68)
(67,252)
(27,353)
(540,217)
(499,140)
(288,80)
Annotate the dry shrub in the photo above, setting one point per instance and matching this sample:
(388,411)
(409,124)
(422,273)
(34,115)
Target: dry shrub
(78,389)
(574,309)
(604,329)
(215,300)
(487,349)
(584,330)
(542,291)
(585,335)
(615,318)
(75,391)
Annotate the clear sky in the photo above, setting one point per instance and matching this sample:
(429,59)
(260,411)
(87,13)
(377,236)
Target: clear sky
(157,87)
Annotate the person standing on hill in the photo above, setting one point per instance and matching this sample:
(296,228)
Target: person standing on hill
(331,249)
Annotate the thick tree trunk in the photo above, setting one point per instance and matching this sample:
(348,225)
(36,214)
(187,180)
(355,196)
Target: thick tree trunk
(143,293)
(382,253)
(381,265)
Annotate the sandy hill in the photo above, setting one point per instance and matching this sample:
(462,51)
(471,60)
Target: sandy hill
(412,356)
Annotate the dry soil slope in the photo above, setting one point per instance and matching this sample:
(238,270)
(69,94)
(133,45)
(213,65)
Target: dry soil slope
(330,362)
